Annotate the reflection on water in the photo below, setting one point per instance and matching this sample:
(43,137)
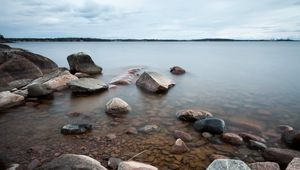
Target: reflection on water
(253,86)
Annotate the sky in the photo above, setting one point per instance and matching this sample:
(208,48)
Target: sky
(158,19)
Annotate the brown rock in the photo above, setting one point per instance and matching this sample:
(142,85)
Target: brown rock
(232,138)
(132,130)
(282,156)
(183,135)
(294,164)
(192,115)
(264,166)
(248,136)
(179,147)
(177,70)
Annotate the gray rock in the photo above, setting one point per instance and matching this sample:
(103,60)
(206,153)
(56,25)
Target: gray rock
(177,70)
(282,156)
(264,166)
(39,90)
(248,136)
(183,135)
(87,85)
(81,62)
(74,129)
(294,164)
(23,93)
(19,83)
(211,125)
(8,99)
(81,75)
(149,128)
(154,82)
(133,165)
(33,164)
(113,163)
(117,105)
(228,164)
(72,162)
(257,145)
(192,115)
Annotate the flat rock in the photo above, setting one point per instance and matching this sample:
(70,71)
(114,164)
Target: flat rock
(177,70)
(149,128)
(183,135)
(281,156)
(39,90)
(211,125)
(74,129)
(232,138)
(133,165)
(117,105)
(249,136)
(294,164)
(192,115)
(87,85)
(228,164)
(81,62)
(154,82)
(60,82)
(257,145)
(179,147)
(8,99)
(72,161)
(264,166)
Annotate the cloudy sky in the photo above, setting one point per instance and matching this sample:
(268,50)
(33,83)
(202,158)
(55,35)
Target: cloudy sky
(165,19)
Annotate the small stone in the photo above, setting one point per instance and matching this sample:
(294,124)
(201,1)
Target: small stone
(149,128)
(117,105)
(211,125)
(33,164)
(192,115)
(73,114)
(183,135)
(264,166)
(57,154)
(38,90)
(132,130)
(178,157)
(111,136)
(74,129)
(257,145)
(284,128)
(113,163)
(232,138)
(81,75)
(207,135)
(294,164)
(177,70)
(179,147)
(248,136)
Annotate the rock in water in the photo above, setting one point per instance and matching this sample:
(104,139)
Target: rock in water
(179,147)
(177,70)
(133,165)
(8,99)
(149,128)
(192,115)
(113,163)
(211,125)
(183,135)
(81,62)
(117,105)
(60,82)
(291,138)
(228,164)
(72,161)
(248,136)
(282,156)
(154,82)
(74,129)
(87,85)
(257,145)
(232,138)
(264,166)
(19,83)
(39,90)
(294,164)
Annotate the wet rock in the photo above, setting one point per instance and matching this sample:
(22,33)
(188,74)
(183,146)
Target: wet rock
(294,164)
(81,75)
(72,161)
(282,156)
(177,70)
(207,135)
(248,136)
(33,164)
(149,128)
(132,130)
(154,82)
(211,125)
(117,105)
(125,78)
(246,123)
(264,166)
(111,136)
(113,163)
(74,129)
(232,138)
(256,145)
(192,115)
(133,165)
(23,93)
(196,144)
(179,147)
(60,82)
(284,128)
(8,100)
(216,140)
(19,83)
(87,85)
(73,114)
(228,164)
(217,156)
(39,90)
(183,135)
(81,62)
(291,138)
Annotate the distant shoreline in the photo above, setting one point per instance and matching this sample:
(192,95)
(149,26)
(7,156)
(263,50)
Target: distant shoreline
(11,40)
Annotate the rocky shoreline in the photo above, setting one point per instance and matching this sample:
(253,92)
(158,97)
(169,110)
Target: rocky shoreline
(27,77)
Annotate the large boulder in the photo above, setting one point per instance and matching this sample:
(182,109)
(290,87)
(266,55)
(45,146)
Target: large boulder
(154,82)
(211,125)
(117,105)
(282,156)
(39,90)
(133,165)
(60,82)
(183,135)
(8,99)
(81,62)
(18,64)
(87,85)
(72,161)
(228,164)
(192,115)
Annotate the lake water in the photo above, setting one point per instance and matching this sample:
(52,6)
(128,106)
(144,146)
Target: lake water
(253,86)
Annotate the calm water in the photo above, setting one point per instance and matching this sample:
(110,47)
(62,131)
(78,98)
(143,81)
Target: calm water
(253,86)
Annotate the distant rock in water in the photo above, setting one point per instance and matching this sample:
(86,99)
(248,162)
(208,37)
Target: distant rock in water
(177,70)
(18,64)
(81,62)
(87,85)
(154,82)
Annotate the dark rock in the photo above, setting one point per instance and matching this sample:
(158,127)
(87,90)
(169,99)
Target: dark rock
(292,139)
(256,145)
(33,164)
(117,105)
(149,128)
(154,82)
(8,100)
(177,70)
(39,90)
(81,62)
(211,125)
(179,147)
(192,115)
(74,114)
(264,166)
(183,135)
(113,163)
(284,128)
(74,129)
(282,156)
(132,130)
(248,136)
(87,85)
(294,164)
(228,164)
(232,138)
(4,86)
(19,83)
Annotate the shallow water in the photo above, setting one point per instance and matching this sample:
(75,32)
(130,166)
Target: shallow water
(253,86)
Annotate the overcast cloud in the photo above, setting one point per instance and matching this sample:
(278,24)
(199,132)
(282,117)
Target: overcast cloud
(165,19)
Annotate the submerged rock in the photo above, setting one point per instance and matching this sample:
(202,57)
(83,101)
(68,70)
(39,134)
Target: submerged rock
(291,138)
(39,90)
(154,82)
(117,105)
(282,156)
(87,85)
(149,128)
(257,145)
(72,161)
(211,125)
(179,147)
(228,164)
(133,165)
(294,164)
(264,166)
(232,138)
(74,129)
(183,135)
(192,115)
(81,62)
(8,99)
(248,136)
(177,70)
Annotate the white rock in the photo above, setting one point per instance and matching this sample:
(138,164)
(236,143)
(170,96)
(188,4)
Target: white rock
(117,105)
(228,164)
(8,99)
(132,165)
